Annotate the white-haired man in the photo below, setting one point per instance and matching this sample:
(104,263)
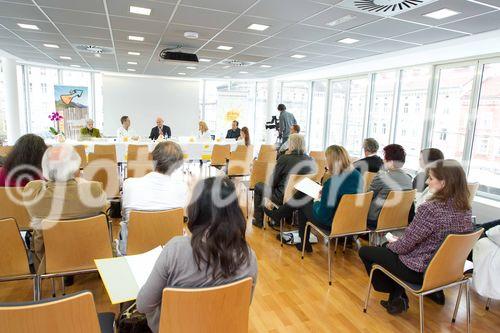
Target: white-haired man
(160,130)
(89,131)
(62,196)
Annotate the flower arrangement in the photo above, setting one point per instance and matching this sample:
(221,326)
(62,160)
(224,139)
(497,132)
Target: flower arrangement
(55,117)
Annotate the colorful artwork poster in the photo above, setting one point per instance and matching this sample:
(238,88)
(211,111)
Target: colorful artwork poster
(72,103)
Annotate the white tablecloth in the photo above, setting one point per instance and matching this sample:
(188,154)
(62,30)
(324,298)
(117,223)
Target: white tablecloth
(194,150)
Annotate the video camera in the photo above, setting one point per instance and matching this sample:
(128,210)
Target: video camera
(273,123)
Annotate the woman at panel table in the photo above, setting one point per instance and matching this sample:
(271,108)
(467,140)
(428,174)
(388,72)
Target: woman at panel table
(244,138)
(203,134)
(216,253)
(24,162)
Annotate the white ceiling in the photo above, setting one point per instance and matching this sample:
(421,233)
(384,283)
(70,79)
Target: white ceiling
(296,27)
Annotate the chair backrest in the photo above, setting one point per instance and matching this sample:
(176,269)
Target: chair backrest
(105,171)
(12,206)
(147,230)
(395,211)
(137,153)
(209,310)
(473,187)
(14,260)
(320,170)
(139,168)
(72,245)
(351,213)
(290,185)
(265,149)
(367,180)
(267,156)
(318,155)
(240,161)
(96,157)
(5,150)
(105,149)
(261,172)
(220,153)
(80,149)
(447,264)
(74,313)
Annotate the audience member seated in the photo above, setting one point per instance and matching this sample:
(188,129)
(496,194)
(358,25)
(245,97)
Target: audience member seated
(23,164)
(203,134)
(89,131)
(295,129)
(125,132)
(234,132)
(371,162)
(427,156)
(344,180)
(244,138)
(160,130)
(161,189)
(486,258)
(448,212)
(295,161)
(216,253)
(393,178)
(62,196)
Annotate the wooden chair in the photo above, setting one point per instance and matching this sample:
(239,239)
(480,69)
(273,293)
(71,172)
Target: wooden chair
(139,168)
(473,187)
(318,155)
(104,170)
(147,230)
(72,245)
(445,270)
(349,220)
(266,153)
(138,153)
(261,173)
(239,162)
(13,207)
(105,150)
(14,259)
(74,313)
(395,211)
(211,310)
(5,150)
(220,155)
(80,149)
(367,180)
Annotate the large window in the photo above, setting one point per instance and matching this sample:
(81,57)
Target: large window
(261,111)
(356,116)
(451,112)
(318,108)
(339,91)
(3,125)
(411,112)
(295,96)
(382,102)
(485,161)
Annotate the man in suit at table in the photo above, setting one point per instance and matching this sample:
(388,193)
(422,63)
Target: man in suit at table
(234,132)
(160,130)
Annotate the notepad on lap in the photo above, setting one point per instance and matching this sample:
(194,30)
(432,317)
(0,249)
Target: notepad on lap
(123,277)
(309,187)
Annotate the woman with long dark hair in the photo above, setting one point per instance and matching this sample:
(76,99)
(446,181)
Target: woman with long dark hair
(244,138)
(23,163)
(216,253)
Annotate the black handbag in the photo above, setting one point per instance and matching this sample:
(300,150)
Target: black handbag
(115,209)
(132,321)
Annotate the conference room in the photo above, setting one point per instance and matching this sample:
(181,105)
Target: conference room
(249,166)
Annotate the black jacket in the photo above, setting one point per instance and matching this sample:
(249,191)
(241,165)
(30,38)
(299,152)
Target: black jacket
(286,164)
(371,164)
(155,133)
(233,134)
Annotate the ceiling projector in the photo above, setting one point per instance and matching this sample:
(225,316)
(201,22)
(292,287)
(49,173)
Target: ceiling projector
(169,55)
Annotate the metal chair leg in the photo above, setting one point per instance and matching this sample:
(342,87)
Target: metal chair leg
(53,287)
(457,305)
(421,304)
(63,287)
(303,241)
(488,303)
(467,299)
(329,264)
(281,232)
(35,290)
(336,243)
(38,288)
(345,243)
(368,292)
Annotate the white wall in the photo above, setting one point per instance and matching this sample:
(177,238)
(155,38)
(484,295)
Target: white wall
(145,98)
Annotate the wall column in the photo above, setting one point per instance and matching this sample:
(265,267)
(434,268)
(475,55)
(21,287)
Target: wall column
(11,100)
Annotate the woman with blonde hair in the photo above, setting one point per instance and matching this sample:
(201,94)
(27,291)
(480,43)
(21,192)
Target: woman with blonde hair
(203,131)
(344,180)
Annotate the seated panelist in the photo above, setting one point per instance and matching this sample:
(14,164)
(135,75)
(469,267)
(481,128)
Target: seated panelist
(160,130)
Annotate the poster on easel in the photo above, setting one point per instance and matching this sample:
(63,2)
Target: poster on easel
(72,104)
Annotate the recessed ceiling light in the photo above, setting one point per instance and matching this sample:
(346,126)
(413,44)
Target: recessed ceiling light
(65,57)
(181,73)
(191,35)
(140,10)
(265,66)
(243,72)
(77,66)
(227,77)
(341,20)
(258,27)
(298,56)
(348,41)
(97,55)
(28,26)
(225,67)
(136,38)
(224,47)
(132,62)
(204,60)
(191,67)
(131,69)
(51,46)
(442,13)
(134,53)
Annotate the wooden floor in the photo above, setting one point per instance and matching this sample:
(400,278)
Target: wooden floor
(292,295)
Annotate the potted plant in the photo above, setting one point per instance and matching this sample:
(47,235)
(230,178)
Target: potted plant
(56,117)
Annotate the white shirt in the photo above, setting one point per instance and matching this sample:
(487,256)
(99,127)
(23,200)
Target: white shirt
(486,258)
(154,191)
(121,132)
(204,136)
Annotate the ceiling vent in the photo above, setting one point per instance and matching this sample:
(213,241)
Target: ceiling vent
(384,8)
(236,63)
(94,49)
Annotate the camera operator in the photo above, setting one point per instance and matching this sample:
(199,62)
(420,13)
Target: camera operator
(286,120)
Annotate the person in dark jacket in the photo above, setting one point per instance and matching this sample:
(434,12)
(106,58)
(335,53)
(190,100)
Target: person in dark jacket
(427,156)
(160,130)
(234,132)
(296,161)
(371,162)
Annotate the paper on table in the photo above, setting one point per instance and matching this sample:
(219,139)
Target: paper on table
(142,264)
(309,187)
